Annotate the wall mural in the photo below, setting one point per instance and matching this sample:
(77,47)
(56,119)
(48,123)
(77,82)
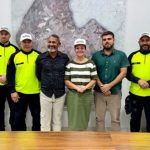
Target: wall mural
(70,19)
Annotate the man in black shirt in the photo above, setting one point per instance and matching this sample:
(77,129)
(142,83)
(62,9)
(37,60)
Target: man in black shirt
(50,70)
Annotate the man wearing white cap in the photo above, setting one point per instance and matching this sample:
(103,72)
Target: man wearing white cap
(80,76)
(6,50)
(139,75)
(24,85)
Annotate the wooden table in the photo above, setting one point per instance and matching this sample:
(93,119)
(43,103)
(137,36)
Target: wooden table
(74,141)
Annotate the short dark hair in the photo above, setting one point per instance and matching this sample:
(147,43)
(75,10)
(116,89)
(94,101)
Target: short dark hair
(55,36)
(107,33)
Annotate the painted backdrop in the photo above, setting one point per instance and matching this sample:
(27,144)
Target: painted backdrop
(70,19)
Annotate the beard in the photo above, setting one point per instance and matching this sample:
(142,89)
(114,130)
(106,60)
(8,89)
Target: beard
(52,49)
(145,48)
(108,47)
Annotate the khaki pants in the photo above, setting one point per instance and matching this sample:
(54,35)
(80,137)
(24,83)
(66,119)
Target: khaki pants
(51,112)
(111,103)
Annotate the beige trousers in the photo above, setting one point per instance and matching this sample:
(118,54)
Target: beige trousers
(51,112)
(111,103)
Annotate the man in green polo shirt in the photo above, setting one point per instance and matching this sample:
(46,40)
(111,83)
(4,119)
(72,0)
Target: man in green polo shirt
(111,68)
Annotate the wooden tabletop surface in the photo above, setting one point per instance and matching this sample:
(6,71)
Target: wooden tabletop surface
(74,140)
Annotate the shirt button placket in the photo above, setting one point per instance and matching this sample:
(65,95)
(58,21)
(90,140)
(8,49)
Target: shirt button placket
(106,69)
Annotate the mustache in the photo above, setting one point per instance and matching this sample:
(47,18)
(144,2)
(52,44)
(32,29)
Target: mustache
(146,45)
(106,43)
(51,47)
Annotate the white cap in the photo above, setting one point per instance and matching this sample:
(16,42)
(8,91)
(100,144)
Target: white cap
(4,29)
(25,36)
(145,34)
(80,42)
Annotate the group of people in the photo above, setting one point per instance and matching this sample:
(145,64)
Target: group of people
(29,78)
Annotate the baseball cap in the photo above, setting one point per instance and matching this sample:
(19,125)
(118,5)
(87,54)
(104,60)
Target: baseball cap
(80,42)
(145,34)
(4,29)
(25,36)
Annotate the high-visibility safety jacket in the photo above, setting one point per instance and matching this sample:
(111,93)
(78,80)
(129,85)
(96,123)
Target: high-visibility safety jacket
(21,74)
(140,64)
(5,52)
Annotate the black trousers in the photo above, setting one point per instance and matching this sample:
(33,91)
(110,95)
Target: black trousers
(4,95)
(19,109)
(138,104)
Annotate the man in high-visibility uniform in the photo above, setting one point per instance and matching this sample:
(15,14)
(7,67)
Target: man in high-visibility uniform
(24,85)
(139,75)
(6,50)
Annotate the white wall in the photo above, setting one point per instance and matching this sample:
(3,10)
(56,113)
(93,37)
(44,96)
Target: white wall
(5,14)
(137,21)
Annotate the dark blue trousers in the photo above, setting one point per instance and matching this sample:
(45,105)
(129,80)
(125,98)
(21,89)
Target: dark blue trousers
(19,109)
(138,104)
(4,95)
